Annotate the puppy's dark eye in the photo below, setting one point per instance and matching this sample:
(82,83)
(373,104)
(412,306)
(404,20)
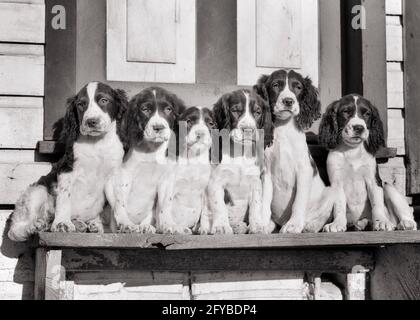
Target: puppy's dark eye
(275,85)
(146,110)
(168,110)
(368,114)
(298,85)
(103,101)
(80,106)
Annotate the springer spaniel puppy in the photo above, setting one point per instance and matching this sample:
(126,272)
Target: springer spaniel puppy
(235,188)
(295,196)
(133,189)
(73,193)
(353,131)
(182,194)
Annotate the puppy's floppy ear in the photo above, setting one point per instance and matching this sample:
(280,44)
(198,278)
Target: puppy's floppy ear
(329,133)
(121,107)
(376,132)
(261,88)
(71,124)
(310,105)
(121,103)
(132,128)
(221,113)
(266,121)
(178,104)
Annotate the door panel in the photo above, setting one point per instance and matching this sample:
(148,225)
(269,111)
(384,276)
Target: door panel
(274,34)
(151,40)
(151,34)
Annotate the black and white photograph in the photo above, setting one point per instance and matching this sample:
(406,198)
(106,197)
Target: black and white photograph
(180,151)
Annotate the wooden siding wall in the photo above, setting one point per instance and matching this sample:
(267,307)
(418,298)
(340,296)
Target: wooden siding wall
(395,171)
(22,38)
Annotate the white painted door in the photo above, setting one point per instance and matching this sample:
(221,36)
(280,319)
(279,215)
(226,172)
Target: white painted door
(151,40)
(274,34)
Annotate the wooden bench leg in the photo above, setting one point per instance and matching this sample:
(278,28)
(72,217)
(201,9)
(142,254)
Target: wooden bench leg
(50,276)
(356,284)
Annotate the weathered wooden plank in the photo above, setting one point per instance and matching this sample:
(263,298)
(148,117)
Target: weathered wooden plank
(394,7)
(394,40)
(130,285)
(412,92)
(55,276)
(395,85)
(15,177)
(40,273)
(22,22)
(277,241)
(394,172)
(21,122)
(22,69)
(396,132)
(396,276)
(106,260)
(269,285)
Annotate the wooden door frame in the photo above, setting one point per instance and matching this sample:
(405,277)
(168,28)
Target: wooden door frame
(364,54)
(411,37)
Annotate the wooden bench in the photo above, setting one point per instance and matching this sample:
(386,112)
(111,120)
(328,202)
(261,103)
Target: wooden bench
(58,256)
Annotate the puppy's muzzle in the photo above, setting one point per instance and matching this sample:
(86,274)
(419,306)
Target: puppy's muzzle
(288,102)
(358,129)
(92,123)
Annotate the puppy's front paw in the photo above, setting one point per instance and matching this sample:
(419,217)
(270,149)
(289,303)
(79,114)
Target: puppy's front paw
(173,229)
(95,227)
(81,227)
(407,225)
(335,227)
(383,226)
(293,227)
(258,228)
(63,227)
(146,229)
(221,229)
(40,226)
(362,225)
(127,228)
(240,228)
(204,231)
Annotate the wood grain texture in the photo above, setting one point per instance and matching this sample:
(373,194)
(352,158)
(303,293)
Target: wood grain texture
(394,38)
(21,122)
(248,29)
(22,21)
(21,69)
(396,276)
(395,85)
(275,241)
(394,7)
(210,260)
(269,285)
(15,177)
(412,93)
(396,132)
(120,69)
(152,30)
(130,285)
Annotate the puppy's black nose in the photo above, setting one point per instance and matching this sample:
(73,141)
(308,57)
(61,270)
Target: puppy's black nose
(92,123)
(158,127)
(358,129)
(288,102)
